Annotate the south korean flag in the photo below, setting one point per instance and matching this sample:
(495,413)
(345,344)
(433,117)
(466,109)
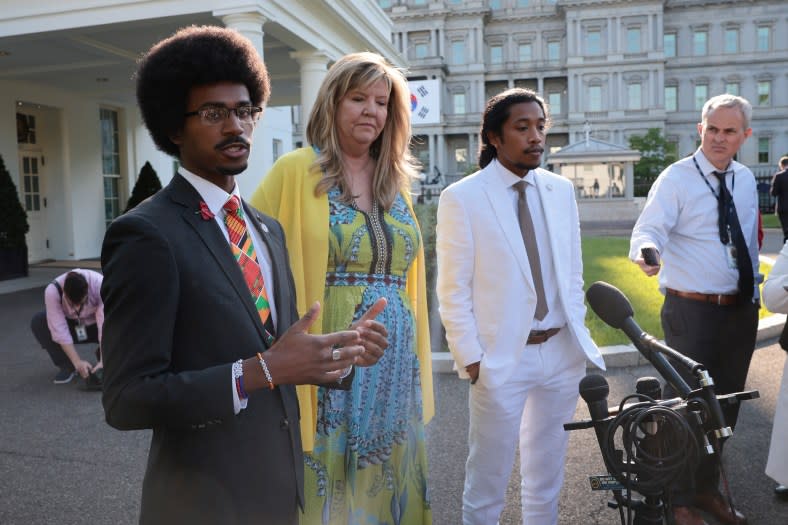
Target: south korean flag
(424,102)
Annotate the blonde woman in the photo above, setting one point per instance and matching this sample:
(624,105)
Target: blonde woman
(353,238)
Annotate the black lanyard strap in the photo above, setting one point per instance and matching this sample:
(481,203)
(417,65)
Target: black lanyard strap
(706,180)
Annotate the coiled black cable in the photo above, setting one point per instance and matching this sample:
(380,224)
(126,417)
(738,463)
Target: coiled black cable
(658,445)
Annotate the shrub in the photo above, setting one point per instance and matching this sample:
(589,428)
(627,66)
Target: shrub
(13,218)
(147,184)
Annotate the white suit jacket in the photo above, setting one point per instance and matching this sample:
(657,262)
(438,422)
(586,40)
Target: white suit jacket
(485,289)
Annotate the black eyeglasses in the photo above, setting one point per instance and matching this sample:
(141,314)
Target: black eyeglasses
(212,115)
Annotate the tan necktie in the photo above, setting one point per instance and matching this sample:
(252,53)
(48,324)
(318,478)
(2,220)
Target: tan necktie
(529,239)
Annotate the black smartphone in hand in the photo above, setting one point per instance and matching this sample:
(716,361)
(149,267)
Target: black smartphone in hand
(650,255)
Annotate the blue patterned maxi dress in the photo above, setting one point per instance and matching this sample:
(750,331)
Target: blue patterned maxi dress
(369,465)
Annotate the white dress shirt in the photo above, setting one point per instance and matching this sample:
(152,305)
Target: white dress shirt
(555,314)
(215,197)
(680,221)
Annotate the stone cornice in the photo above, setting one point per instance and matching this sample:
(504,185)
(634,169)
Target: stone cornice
(564,4)
(672,4)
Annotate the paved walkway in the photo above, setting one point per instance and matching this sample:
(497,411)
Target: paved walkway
(61,464)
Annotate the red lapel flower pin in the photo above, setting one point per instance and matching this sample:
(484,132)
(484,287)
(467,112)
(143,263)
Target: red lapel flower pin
(205,211)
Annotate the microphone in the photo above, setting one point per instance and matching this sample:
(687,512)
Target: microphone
(612,306)
(648,386)
(594,391)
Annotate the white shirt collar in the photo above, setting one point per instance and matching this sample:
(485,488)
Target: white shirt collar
(707,167)
(211,194)
(508,178)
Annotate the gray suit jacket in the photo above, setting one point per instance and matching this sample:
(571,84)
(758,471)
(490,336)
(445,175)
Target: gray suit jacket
(177,314)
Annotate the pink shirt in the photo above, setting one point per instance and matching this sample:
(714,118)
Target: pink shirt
(58,310)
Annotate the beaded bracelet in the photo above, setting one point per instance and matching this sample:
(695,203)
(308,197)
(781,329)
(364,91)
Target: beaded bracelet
(265,371)
(238,375)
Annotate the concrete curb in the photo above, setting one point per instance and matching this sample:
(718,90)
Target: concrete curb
(624,355)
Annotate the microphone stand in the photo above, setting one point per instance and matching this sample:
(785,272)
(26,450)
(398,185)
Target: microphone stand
(650,510)
(700,414)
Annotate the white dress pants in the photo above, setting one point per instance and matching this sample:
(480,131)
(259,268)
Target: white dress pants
(777,465)
(539,397)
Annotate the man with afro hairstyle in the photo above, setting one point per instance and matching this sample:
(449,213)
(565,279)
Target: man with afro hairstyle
(202,339)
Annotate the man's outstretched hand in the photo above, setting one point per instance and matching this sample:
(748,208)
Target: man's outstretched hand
(299,357)
(374,336)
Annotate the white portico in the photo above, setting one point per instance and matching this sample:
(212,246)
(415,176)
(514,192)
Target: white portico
(603,176)
(66,71)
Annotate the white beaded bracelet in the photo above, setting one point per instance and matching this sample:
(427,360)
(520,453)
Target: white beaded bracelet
(266,371)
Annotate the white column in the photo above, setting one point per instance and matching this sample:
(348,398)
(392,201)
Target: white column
(405,44)
(430,170)
(441,162)
(571,39)
(249,25)
(629,178)
(314,65)
(611,35)
(574,97)
(472,156)
(434,42)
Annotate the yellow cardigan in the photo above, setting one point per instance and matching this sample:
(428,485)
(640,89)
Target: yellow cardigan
(287,193)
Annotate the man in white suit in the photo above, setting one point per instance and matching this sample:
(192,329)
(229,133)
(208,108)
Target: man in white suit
(510,286)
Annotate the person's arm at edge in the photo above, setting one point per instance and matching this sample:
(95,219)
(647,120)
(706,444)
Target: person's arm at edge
(775,296)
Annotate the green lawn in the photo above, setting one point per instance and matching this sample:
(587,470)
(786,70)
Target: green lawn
(605,259)
(770,220)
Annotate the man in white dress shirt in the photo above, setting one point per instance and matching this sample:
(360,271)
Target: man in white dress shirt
(709,279)
(510,285)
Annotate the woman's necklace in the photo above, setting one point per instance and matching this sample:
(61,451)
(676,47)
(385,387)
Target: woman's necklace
(358,184)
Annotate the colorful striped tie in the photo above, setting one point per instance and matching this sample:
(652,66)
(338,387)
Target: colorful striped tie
(243,250)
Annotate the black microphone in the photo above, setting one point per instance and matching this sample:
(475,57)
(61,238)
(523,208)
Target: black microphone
(594,391)
(649,386)
(613,307)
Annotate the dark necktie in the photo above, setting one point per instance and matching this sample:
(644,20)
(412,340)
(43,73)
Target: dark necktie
(531,248)
(243,250)
(728,221)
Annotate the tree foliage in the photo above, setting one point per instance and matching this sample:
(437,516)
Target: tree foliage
(148,183)
(656,155)
(13,218)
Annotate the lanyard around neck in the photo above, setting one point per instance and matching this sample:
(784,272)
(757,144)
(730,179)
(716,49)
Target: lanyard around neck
(722,180)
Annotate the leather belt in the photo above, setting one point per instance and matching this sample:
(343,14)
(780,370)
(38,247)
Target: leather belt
(537,337)
(711,298)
